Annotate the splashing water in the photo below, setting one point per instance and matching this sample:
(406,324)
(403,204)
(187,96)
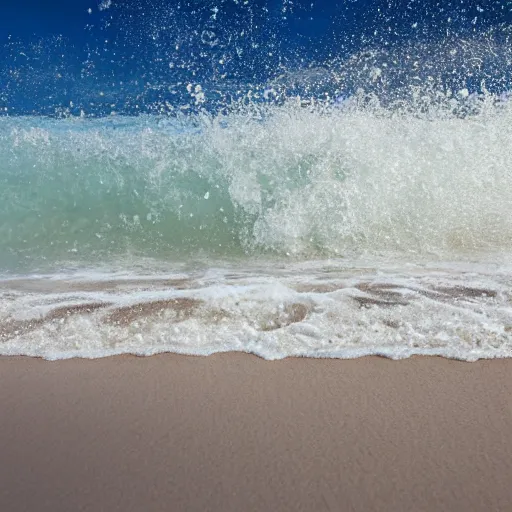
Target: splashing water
(234,195)
(285,180)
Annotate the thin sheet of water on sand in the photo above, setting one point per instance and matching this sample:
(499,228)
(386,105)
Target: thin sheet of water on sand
(314,309)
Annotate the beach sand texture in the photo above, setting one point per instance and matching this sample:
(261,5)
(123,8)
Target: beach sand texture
(232,432)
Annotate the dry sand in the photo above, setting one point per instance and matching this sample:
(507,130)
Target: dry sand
(236,433)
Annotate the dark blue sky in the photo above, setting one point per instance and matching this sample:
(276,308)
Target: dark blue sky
(132,43)
(23,18)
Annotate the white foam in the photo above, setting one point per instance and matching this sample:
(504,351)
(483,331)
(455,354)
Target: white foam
(317,309)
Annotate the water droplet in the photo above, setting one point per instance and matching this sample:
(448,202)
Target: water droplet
(209,37)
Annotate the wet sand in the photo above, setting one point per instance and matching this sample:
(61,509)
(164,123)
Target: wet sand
(233,432)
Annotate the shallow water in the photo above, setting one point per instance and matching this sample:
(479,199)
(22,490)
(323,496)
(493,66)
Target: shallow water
(332,308)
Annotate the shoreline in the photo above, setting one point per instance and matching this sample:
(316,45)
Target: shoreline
(236,432)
